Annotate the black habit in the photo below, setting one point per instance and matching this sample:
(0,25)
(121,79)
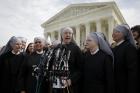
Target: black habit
(74,65)
(9,70)
(125,68)
(97,73)
(138,52)
(27,82)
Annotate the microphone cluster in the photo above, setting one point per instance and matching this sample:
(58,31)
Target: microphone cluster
(53,65)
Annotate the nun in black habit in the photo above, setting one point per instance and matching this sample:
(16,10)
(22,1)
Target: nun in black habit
(10,63)
(125,60)
(98,65)
(27,82)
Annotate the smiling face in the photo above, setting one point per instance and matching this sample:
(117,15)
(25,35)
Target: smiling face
(31,48)
(67,36)
(16,46)
(38,45)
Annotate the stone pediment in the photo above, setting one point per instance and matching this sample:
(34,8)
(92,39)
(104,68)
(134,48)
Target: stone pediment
(73,11)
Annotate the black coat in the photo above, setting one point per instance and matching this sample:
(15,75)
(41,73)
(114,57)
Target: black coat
(27,81)
(9,70)
(125,68)
(97,73)
(74,64)
(138,52)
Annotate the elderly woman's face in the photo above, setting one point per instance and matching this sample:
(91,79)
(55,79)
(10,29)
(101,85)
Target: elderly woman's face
(90,42)
(17,46)
(117,36)
(67,36)
(38,45)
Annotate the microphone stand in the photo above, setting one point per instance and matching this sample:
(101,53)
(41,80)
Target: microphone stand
(57,70)
(40,71)
(67,73)
(53,71)
(63,69)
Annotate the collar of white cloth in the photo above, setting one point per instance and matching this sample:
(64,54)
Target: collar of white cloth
(39,52)
(13,52)
(92,53)
(120,42)
(22,50)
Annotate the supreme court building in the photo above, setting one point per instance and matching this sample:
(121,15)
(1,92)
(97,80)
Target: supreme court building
(85,18)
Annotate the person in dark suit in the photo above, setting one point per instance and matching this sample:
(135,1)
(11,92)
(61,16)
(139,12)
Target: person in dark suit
(136,34)
(97,72)
(125,60)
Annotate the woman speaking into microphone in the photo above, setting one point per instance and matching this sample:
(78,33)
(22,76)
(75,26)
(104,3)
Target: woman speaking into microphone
(68,84)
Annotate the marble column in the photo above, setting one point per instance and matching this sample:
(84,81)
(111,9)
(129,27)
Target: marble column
(78,34)
(49,37)
(52,35)
(98,26)
(110,28)
(59,36)
(46,35)
(87,26)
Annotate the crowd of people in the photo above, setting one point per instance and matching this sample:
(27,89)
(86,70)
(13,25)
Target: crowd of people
(100,67)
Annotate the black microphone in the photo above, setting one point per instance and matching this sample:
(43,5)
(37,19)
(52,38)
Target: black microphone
(68,57)
(36,71)
(49,56)
(57,53)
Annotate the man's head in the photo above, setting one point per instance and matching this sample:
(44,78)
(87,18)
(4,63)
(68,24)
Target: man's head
(136,32)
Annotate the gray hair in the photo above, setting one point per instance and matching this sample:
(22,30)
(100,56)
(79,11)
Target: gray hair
(67,29)
(23,39)
(42,40)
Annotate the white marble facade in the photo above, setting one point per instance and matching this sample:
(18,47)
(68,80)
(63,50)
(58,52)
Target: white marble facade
(85,18)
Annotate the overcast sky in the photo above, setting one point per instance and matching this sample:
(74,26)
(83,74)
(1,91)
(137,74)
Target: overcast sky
(24,17)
